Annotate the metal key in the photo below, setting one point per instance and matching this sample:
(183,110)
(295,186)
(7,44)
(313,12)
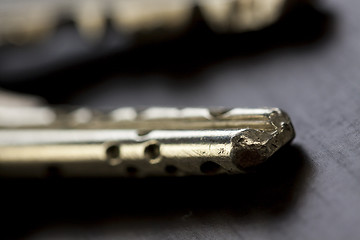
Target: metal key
(23,21)
(129,142)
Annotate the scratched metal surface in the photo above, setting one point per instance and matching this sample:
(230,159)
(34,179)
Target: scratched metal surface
(310,190)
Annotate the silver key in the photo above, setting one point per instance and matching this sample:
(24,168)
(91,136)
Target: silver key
(129,142)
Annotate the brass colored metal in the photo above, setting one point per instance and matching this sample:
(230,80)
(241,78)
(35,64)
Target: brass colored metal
(128,142)
(22,21)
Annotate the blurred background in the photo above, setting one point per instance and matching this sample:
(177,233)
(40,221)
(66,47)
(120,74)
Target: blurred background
(135,62)
(303,57)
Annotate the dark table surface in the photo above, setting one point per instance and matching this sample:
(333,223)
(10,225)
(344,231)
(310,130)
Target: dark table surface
(309,190)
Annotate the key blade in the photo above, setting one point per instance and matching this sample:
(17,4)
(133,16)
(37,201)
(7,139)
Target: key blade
(153,142)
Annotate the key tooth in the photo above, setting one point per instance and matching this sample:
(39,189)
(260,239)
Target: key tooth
(24,22)
(130,17)
(267,12)
(90,17)
(216,13)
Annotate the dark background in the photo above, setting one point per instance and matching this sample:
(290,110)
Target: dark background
(307,64)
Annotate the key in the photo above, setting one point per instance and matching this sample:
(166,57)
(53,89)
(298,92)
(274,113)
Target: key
(25,21)
(36,141)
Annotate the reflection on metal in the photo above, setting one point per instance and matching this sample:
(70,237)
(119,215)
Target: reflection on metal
(23,21)
(128,142)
